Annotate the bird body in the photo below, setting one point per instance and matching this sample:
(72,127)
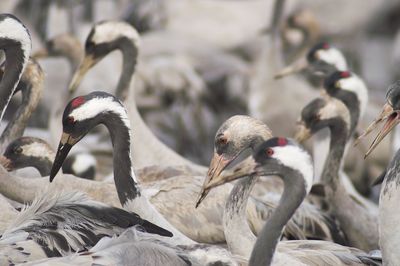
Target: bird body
(388,220)
(131,247)
(58,224)
(282,157)
(333,114)
(388,225)
(104,38)
(236,135)
(80,116)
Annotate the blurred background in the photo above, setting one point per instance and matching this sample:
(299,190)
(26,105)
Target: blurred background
(199,58)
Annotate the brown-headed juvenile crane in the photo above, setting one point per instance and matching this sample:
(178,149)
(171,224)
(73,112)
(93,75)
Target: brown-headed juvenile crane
(236,135)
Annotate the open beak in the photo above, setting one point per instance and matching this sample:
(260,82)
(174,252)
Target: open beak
(217,165)
(6,163)
(297,66)
(42,53)
(87,63)
(246,167)
(391,119)
(66,143)
(302,134)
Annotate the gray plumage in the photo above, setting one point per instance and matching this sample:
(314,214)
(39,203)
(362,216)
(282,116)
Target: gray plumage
(58,224)
(282,157)
(131,248)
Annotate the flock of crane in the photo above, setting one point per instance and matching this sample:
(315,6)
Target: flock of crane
(263,200)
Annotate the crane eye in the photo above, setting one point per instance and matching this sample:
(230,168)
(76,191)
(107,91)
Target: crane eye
(222,141)
(269,152)
(17,150)
(71,120)
(315,118)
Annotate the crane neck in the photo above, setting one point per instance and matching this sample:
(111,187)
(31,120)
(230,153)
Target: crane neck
(127,186)
(149,150)
(339,137)
(31,94)
(352,103)
(124,176)
(239,237)
(14,66)
(129,52)
(293,195)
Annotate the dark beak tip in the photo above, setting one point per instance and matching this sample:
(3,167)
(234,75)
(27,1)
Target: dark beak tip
(199,201)
(201,198)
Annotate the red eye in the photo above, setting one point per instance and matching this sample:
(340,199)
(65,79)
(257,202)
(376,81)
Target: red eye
(325,46)
(70,120)
(270,152)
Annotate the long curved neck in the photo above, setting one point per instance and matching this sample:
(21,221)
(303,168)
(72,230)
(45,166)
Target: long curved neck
(31,94)
(42,163)
(14,66)
(344,206)
(23,190)
(130,53)
(352,102)
(127,186)
(330,174)
(239,237)
(293,195)
(124,177)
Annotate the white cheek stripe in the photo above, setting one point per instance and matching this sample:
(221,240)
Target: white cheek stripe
(333,57)
(112,30)
(98,105)
(356,85)
(14,30)
(95,106)
(298,159)
(335,108)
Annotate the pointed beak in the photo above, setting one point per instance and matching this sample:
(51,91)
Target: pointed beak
(302,133)
(66,143)
(297,66)
(6,163)
(246,167)
(87,63)
(217,165)
(42,53)
(391,119)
